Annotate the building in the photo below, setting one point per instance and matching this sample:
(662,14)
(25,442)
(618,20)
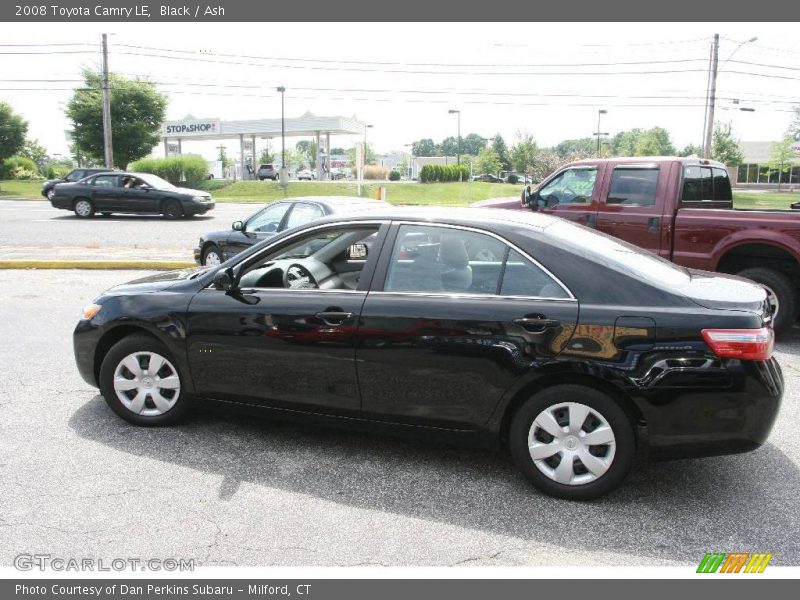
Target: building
(756,171)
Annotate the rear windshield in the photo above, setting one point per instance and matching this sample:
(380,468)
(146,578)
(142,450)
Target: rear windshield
(617,255)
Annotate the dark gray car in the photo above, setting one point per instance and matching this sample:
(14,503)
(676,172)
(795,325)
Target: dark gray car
(219,246)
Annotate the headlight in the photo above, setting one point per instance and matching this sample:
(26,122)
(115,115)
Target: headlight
(89,311)
(201,198)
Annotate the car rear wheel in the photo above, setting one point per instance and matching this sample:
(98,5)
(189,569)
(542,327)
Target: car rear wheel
(172,210)
(782,295)
(83,208)
(141,383)
(572,442)
(212,256)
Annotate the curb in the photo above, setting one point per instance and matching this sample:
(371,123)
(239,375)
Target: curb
(151,265)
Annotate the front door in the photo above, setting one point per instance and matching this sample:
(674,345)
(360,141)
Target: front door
(286,335)
(571,194)
(633,206)
(454,319)
(262,225)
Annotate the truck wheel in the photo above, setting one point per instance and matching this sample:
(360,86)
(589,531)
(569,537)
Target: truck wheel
(783,295)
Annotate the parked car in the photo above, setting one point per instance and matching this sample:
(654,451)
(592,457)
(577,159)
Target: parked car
(682,210)
(140,193)
(306,174)
(74,175)
(268,172)
(218,246)
(578,351)
(487,178)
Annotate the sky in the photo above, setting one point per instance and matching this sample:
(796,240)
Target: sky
(547,79)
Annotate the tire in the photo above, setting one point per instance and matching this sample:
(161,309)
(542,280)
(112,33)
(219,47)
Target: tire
(612,461)
(211,250)
(83,207)
(159,405)
(171,209)
(783,295)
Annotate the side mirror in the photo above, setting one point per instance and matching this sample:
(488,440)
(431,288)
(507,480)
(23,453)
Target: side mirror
(223,279)
(237,226)
(357,252)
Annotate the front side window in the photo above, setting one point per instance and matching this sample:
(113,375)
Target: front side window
(332,259)
(631,186)
(269,219)
(303,213)
(573,186)
(429,259)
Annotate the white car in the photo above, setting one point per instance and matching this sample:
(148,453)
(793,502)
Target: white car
(306,174)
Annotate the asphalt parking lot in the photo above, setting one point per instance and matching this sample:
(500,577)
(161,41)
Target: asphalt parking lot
(224,490)
(36,225)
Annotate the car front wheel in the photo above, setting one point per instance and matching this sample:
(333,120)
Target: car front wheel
(83,208)
(172,210)
(212,256)
(572,442)
(141,383)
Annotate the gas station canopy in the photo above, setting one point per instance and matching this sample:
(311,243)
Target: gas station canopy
(308,125)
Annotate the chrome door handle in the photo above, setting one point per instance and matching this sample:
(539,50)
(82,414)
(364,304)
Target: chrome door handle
(334,318)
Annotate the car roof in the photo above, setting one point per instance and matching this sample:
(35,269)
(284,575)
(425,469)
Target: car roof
(338,204)
(686,160)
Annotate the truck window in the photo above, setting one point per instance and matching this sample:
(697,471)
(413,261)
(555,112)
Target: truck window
(722,184)
(573,186)
(633,186)
(706,183)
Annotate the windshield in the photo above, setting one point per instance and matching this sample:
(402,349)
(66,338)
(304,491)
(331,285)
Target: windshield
(154,181)
(618,255)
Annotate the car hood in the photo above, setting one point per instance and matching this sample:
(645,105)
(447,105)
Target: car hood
(724,292)
(157,282)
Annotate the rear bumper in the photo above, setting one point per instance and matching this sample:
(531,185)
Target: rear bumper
(689,423)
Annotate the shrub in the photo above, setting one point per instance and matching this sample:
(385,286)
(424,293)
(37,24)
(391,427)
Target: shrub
(56,172)
(513,178)
(394,175)
(375,172)
(190,170)
(443,173)
(18,167)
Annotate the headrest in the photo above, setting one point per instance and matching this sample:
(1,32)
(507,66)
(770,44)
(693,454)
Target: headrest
(454,253)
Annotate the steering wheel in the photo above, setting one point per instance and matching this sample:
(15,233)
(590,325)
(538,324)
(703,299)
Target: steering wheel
(297,277)
(569,193)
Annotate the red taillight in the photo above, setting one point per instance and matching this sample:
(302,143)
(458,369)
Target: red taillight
(746,344)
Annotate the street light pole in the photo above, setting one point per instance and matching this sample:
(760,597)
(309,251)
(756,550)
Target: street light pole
(600,112)
(282,89)
(365,142)
(454,111)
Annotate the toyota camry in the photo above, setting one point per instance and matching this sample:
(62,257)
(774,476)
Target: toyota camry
(577,352)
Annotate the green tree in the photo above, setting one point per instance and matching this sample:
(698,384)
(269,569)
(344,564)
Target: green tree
(13,129)
(449,146)
(137,111)
(782,158)
(625,142)
(794,129)
(338,151)
(488,161)
(500,148)
(691,150)
(424,147)
(265,157)
(35,151)
(545,162)
(308,150)
(655,142)
(725,148)
(472,144)
(523,152)
(585,146)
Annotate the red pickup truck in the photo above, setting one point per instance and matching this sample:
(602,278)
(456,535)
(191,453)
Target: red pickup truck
(681,209)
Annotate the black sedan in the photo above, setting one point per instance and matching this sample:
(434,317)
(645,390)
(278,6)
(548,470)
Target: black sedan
(578,352)
(218,246)
(140,193)
(48,188)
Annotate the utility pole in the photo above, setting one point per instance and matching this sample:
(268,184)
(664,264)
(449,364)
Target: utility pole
(108,149)
(600,113)
(712,95)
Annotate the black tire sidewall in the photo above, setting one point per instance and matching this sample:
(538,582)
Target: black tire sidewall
(625,437)
(174,214)
(129,345)
(783,288)
(209,249)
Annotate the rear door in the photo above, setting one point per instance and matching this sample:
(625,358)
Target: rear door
(632,205)
(572,194)
(443,336)
(105,193)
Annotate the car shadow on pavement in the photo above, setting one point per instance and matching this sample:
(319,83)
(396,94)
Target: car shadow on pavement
(670,511)
(119,218)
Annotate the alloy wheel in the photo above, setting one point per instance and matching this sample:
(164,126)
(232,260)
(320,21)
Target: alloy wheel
(83,208)
(146,383)
(212,258)
(571,443)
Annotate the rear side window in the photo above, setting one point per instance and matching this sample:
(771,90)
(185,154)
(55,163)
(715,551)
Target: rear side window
(633,186)
(303,213)
(701,184)
(523,278)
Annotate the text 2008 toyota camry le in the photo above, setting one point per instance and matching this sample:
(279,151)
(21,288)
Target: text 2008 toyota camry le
(576,350)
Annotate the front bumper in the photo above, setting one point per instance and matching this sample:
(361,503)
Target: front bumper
(62,202)
(197,208)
